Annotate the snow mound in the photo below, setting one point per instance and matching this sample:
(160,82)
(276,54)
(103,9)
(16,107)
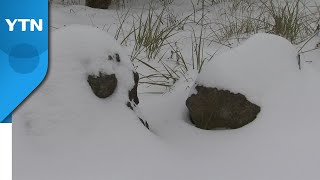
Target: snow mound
(90,54)
(280,144)
(65,124)
(66,92)
(252,68)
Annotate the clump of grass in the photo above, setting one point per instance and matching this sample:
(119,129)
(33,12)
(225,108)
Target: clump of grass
(152,34)
(151,31)
(237,29)
(165,73)
(171,69)
(237,19)
(290,19)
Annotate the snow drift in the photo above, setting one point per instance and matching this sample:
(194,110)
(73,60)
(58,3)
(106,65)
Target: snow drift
(64,132)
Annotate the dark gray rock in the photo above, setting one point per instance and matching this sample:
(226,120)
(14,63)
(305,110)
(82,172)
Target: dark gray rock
(133,93)
(103,85)
(211,108)
(134,100)
(100,4)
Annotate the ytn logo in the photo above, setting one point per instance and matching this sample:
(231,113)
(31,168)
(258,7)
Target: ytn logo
(33,24)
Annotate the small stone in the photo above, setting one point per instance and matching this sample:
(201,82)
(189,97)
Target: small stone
(117,57)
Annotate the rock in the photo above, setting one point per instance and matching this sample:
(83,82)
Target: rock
(212,108)
(106,83)
(103,85)
(134,100)
(133,93)
(100,4)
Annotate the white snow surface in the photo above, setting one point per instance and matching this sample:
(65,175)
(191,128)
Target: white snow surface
(64,132)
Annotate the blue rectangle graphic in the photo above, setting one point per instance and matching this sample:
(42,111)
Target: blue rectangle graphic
(23,51)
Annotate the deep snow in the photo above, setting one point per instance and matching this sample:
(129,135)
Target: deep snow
(64,132)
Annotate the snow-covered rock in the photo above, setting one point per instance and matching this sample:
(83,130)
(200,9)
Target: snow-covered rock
(261,63)
(66,92)
(250,70)
(280,144)
(64,120)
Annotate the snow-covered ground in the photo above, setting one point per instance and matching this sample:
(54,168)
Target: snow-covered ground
(64,132)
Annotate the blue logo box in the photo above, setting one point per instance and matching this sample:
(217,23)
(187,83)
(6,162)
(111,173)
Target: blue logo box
(23,51)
